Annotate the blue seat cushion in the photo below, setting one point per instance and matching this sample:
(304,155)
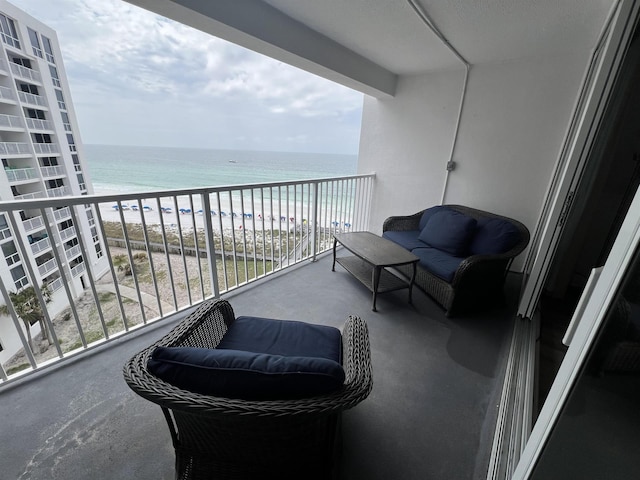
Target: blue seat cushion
(405,238)
(245,375)
(438,262)
(494,235)
(450,231)
(283,337)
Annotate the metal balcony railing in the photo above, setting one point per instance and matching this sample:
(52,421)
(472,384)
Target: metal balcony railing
(46,148)
(53,171)
(30,196)
(58,191)
(7,94)
(20,174)
(47,267)
(155,253)
(40,246)
(11,121)
(33,223)
(26,73)
(73,252)
(31,99)
(38,124)
(14,148)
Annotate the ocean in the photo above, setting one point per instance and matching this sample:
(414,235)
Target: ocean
(126,169)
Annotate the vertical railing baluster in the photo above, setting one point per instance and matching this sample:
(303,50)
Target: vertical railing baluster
(210,246)
(222,246)
(234,248)
(91,276)
(314,219)
(134,275)
(147,244)
(114,276)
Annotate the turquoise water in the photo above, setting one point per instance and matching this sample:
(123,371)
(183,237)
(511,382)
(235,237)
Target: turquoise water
(140,169)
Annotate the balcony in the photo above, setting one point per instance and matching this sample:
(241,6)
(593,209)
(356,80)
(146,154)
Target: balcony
(14,148)
(29,196)
(11,123)
(40,246)
(33,223)
(6,95)
(20,174)
(46,148)
(38,124)
(58,192)
(31,99)
(53,171)
(26,73)
(431,373)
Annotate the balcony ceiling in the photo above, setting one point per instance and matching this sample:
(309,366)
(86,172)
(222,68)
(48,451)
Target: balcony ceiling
(371,42)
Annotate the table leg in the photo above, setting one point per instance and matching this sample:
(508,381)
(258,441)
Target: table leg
(376,281)
(333,267)
(413,279)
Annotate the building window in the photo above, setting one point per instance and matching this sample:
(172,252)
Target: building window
(35,43)
(60,98)
(56,183)
(19,277)
(33,113)
(41,138)
(54,76)
(27,88)
(25,62)
(49,161)
(8,31)
(48,49)
(10,253)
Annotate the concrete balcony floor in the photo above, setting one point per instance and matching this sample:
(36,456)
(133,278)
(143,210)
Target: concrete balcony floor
(430,415)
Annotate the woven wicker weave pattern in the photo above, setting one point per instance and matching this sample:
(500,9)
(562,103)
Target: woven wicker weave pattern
(234,438)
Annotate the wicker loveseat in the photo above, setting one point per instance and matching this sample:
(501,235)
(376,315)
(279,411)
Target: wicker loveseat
(222,438)
(468,275)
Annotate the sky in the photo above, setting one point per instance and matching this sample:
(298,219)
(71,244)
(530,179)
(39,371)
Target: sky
(140,79)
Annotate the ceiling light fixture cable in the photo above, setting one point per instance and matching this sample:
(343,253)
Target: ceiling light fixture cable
(426,19)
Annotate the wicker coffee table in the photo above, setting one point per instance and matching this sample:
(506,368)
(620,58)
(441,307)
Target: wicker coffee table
(372,255)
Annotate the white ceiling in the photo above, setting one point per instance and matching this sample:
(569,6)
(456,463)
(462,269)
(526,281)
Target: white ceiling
(390,33)
(367,44)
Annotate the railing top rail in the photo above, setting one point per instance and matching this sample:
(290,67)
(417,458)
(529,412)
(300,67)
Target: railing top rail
(9,206)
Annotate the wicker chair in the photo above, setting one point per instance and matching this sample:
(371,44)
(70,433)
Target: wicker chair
(216,437)
(479,280)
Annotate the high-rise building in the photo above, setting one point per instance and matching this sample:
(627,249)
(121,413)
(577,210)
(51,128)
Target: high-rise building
(42,157)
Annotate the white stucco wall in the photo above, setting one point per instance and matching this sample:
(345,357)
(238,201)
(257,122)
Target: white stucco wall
(515,117)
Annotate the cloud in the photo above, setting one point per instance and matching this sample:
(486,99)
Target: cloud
(122,59)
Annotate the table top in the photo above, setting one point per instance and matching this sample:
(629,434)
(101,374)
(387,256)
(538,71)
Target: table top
(376,250)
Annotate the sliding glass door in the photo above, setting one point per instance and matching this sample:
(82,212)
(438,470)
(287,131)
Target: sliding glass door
(589,424)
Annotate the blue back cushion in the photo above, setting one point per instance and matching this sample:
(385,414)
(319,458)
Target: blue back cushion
(494,235)
(405,238)
(449,231)
(283,337)
(438,262)
(258,359)
(247,375)
(428,213)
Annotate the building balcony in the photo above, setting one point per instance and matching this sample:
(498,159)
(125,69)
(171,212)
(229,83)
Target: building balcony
(26,73)
(33,100)
(11,123)
(40,125)
(272,255)
(40,246)
(15,148)
(53,171)
(46,148)
(58,192)
(33,223)
(7,95)
(29,196)
(17,175)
